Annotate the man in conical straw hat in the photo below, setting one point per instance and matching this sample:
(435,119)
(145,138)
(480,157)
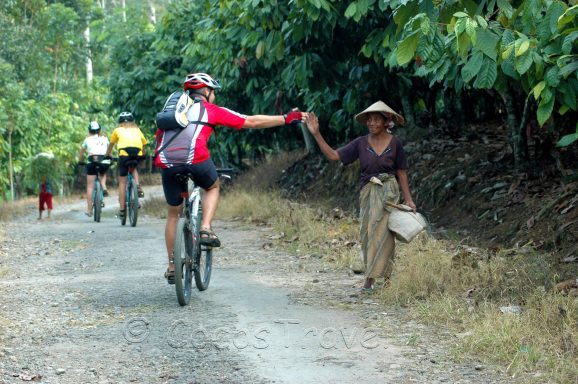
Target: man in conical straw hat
(383,172)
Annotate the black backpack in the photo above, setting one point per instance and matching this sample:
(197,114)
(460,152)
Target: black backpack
(174,113)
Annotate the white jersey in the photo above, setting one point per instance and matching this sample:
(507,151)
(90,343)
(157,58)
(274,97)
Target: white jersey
(95,145)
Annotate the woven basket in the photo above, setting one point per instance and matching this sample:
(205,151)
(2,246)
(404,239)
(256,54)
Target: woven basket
(404,223)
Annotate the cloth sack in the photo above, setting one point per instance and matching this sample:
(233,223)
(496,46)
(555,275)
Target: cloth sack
(404,223)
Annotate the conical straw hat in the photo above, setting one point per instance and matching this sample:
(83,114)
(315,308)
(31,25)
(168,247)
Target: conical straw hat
(382,108)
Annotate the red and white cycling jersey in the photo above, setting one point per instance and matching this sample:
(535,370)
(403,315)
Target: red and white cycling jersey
(190,146)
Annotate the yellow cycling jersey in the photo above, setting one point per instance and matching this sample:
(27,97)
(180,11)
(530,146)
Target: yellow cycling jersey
(128,137)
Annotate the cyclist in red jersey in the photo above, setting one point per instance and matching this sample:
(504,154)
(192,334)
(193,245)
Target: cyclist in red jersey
(186,151)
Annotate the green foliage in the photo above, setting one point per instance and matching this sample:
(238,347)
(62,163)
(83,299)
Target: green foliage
(45,103)
(329,56)
(568,139)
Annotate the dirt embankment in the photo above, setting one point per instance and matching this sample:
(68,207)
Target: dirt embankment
(470,192)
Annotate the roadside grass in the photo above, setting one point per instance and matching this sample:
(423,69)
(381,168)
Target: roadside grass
(155,207)
(29,206)
(149,178)
(18,208)
(444,283)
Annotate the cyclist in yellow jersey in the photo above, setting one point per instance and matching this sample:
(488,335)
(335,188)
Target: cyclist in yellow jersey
(130,143)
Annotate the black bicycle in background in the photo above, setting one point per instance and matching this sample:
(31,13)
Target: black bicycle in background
(97,191)
(131,196)
(191,258)
(132,203)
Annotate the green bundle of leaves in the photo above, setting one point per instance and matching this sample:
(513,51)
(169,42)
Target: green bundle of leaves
(43,165)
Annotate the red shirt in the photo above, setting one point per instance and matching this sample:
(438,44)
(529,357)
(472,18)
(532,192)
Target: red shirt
(190,146)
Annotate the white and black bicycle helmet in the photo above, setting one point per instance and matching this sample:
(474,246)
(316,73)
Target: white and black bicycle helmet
(125,116)
(200,80)
(93,127)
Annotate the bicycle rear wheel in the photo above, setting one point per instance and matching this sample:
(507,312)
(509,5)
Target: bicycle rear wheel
(203,258)
(97,201)
(133,204)
(183,263)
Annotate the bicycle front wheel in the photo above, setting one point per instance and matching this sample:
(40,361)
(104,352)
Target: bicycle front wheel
(133,204)
(203,258)
(97,201)
(183,263)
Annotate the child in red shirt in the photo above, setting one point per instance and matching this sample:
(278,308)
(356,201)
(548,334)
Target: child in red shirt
(45,198)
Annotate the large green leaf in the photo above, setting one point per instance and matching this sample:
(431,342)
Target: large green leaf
(545,110)
(569,96)
(463,45)
(403,13)
(481,21)
(405,51)
(487,42)
(569,68)
(351,10)
(569,42)
(568,16)
(538,89)
(522,46)
(553,76)
(553,13)
(567,140)
(487,74)
(505,7)
(472,67)
(523,63)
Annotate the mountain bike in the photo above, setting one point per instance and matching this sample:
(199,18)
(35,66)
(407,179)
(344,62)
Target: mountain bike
(189,255)
(131,195)
(97,191)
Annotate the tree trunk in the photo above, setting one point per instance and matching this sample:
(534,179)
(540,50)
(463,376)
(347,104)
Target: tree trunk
(407,110)
(88,56)
(123,3)
(153,12)
(55,76)
(517,136)
(10,166)
(407,105)
(457,114)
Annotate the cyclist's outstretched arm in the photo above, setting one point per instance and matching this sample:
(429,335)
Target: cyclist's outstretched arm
(313,126)
(268,121)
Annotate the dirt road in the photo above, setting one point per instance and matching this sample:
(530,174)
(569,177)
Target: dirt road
(85,302)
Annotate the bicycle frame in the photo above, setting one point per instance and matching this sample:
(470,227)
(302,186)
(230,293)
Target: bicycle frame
(192,204)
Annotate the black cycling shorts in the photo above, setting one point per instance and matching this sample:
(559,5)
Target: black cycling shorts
(94,162)
(123,167)
(204,175)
